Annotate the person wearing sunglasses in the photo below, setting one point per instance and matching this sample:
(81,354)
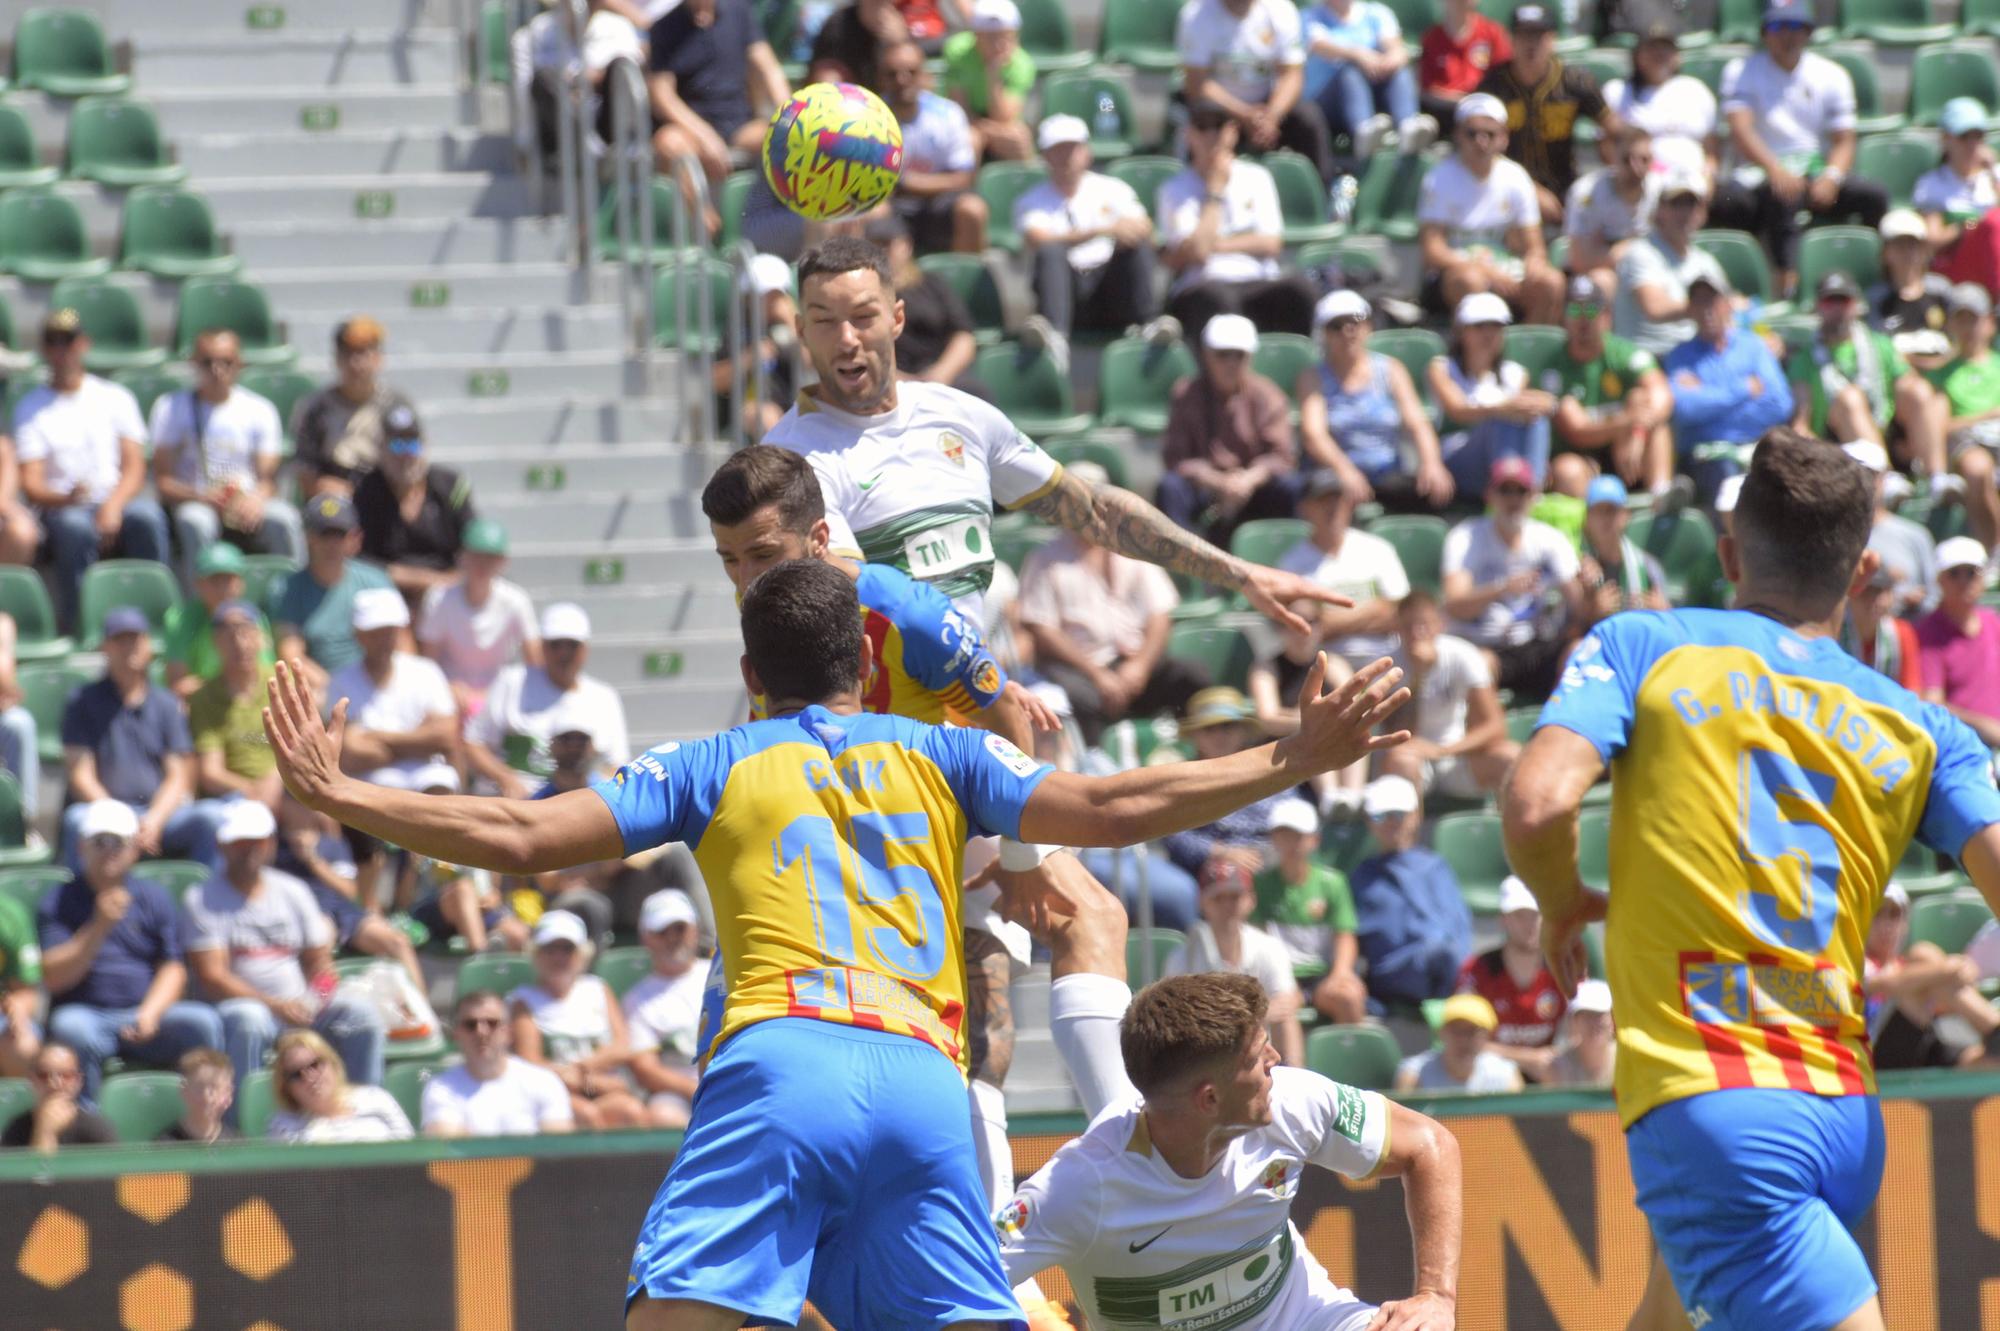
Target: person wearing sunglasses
(316,1102)
(1958,644)
(59,1117)
(1544,99)
(1612,206)
(1491,411)
(1512,584)
(413,515)
(492,1093)
(338,431)
(1965,185)
(1360,416)
(1480,222)
(1612,404)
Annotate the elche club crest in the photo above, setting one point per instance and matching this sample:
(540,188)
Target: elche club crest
(952,447)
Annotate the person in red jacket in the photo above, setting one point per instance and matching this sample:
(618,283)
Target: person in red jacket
(1875,637)
(1457,52)
(1513,978)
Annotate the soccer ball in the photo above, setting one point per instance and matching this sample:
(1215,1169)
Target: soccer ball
(834,150)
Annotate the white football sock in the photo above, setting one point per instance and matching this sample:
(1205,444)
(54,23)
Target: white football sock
(989,1140)
(1083,1021)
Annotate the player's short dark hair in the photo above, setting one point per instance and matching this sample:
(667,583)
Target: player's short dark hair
(802,631)
(1803,518)
(1180,1028)
(759,476)
(845,254)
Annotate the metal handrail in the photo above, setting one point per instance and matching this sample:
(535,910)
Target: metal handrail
(746,334)
(697,365)
(572,146)
(632,195)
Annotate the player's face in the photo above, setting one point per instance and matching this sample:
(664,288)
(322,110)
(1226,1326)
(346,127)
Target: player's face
(851,324)
(759,542)
(1246,1098)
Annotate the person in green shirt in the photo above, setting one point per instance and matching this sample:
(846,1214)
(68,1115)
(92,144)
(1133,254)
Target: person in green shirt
(1307,907)
(226,714)
(1850,382)
(190,649)
(20,988)
(987,73)
(314,608)
(1970,382)
(1613,406)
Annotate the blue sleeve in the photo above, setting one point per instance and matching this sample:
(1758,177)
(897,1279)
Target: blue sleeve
(945,652)
(667,793)
(1962,799)
(80,726)
(1600,685)
(1699,410)
(991,777)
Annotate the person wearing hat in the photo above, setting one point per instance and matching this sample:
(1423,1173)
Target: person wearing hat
(1528,1006)
(225,711)
(712,81)
(663,1010)
(989,74)
(1490,409)
(402,723)
(1544,99)
(569,1021)
(1306,907)
(1358,407)
(337,433)
(1249,58)
(1652,309)
(529,705)
(1727,384)
(1791,117)
(1850,382)
(1360,565)
(1589,1054)
(190,649)
(1511,584)
(313,609)
(1958,644)
(1223,939)
(478,623)
(1617,575)
(1910,985)
(934,195)
(1612,401)
(80,444)
(216,449)
(263,952)
(1358,70)
(1089,240)
(1676,109)
(1480,222)
(1455,54)
(770,369)
(1909,302)
(1464,1059)
(413,514)
(1612,206)
(1876,636)
(1970,384)
(1906,548)
(1956,194)
(1229,455)
(1220,721)
(491,1092)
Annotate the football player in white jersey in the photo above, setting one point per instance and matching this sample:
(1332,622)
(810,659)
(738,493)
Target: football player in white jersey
(1176,1208)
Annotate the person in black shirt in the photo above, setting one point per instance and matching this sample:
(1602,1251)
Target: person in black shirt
(852,40)
(58,1117)
(1909,303)
(937,343)
(708,61)
(208,1088)
(413,515)
(1544,97)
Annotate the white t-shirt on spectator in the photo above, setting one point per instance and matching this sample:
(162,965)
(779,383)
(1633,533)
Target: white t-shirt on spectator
(524,1099)
(78,434)
(220,443)
(1367,569)
(523,701)
(573,1026)
(1105,617)
(264,934)
(1478,214)
(1249,207)
(415,691)
(1474,546)
(472,645)
(665,1014)
(1243,54)
(372,1116)
(1596,209)
(1679,114)
(1099,201)
(1263,958)
(1647,262)
(1797,113)
(1442,695)
(939,138)
(1943,190)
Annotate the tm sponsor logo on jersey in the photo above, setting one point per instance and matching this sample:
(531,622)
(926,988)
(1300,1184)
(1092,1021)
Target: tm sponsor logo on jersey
(1842,722)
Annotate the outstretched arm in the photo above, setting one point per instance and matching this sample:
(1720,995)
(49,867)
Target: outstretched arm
(1538,813)
(1426,1157)
(506,836)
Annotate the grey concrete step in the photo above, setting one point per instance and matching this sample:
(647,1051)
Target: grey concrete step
(482,331)
(499,376)
(389,290)
(315,110)
(139,19)
(536,473)
(659,712)
(685,607)
(607,516)
(290,58)
(638,562)
(438,196)
(255,147)
(662,655)
(333,242)
(558,418)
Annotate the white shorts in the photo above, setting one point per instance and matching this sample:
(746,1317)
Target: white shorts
(1346,1313)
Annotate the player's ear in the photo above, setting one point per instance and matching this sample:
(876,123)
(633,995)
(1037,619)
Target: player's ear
(899,317)
(750,680)
(1863,571)
(867,661)
(1731,557)
(819,538)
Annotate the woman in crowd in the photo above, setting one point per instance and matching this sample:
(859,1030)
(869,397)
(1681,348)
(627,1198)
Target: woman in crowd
(1489,409)
(1677,109)
(569,1021)
(316,1103)
(1358,406)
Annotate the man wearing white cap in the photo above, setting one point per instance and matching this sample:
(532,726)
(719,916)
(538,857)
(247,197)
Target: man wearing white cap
(767,281)
(1480,222)
(1410,917)
(260,946)
(1089,238)
(663,1010)
(988,74)
(1306,906)
(530,705)
(1651,309)
(1909,555)
(1513,978)
(1909,302)
(1590,1051)
(1970,382)
(1229,451)
(401,717)
(1958,644)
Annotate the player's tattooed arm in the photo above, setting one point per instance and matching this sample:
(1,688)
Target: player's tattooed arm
(989,1006)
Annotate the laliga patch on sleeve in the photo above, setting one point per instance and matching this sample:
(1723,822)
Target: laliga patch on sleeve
(1015,761)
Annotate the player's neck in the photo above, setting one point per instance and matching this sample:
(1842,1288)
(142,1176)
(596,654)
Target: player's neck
(841,704)
(1799,619)
(1190,1146)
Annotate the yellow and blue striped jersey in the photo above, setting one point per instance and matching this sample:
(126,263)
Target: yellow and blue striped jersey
(1764,786)
(832,849)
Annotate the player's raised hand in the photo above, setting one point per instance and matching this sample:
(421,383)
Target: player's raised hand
(1562,939)
(1040,715)
(307,749)
(1271,592)
(1426,1310)
(1338,728)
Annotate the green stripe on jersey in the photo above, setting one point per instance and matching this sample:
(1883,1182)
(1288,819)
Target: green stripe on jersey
(1210,1295)
(955,539)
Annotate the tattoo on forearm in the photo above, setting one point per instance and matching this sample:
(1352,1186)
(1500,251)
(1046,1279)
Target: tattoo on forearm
(1120,520)
(989,1007)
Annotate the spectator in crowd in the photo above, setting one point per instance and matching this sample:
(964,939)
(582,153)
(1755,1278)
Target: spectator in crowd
(316,1103)
(1511,585)
(1970,382)
(1228,453)
(1909,304)
(548,49)
(402,725)
(1358,73)
(1851,383)
(767,282)
(1612,401)
(1285,657)
(233,759)
(569,1021)
(1219,722)
(20,736)
(1249,58)
(1490,409)
(1458,742)
(337,433)
(1222,231)
(1306,907)
(413,515)
(263,953)
(1480,224)
(1791,117)
(937,343)
(112,960)
(1357,564)
(125,738)
(663,1010)
(1958,644)
(1908,989)
(479,622)
(849,45)
(1678,111)
(988,74)
(1964,186)
(20,533)
(1090,241)
(81,446)
(1410,917)
(1223,939)
(1544,99)
(1356,409)
(1527,1003)
(1617,575)
(1874,636)
(453,900)
(1653,309)
(208,1090)
(490,1092)
(1905,547)
(1610,207)
(1727,384)
(604,893)
(935,195)
(712,80)
(59,1116)
(1589,1052)
(1457,52)
(314,607)
(529,705)
(1464,1059)
(1100,622)
(216,448)
(190,650)
(20,989)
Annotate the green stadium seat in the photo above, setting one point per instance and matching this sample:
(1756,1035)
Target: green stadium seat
(27,884)
(1979,18)
(1386,201)
(241,307)
(1919,873)
(1136,382)
(111,583)
(731,202)
(283,387)
(1364,1056)
(1604,63)
(1854,250)
(112,318)
(255,1104)
(45,690)
(665,201)
(622,967)
(170,232)
(1941,73)
(1030,389)
(1593,847)
(1301,197)
(1358,256)
(1740,21)
(1092,446)
(493,36)
(500,972)
(1159,943)
(174,877)
(406,1081)
(1536,347)
(25,596)
(17,1097)
(141,1105)
(1000,184)
(1016,536)
(116,141)
(1860,64)
(1222,649)
(15,848)
(263,575)
(1145,175)
(1046,35)
(21,165)
(63,52)
(1419,542)
(150,385)
(1892,22)
(1416,348)
(1077,94)
(702,270)
(1140,33)
(1707,66)
(1470,843)
(1948,921)
(1281,356)
(1895,161)
(43,238)
(1521,723)
(1684,543)
(1135,740)
(1265,540)
(968,275)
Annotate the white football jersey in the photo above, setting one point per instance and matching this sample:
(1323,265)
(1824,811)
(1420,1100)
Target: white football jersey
(1146,1248)
(916,487)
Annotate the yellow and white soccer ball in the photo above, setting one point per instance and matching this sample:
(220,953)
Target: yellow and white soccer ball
(834,150)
